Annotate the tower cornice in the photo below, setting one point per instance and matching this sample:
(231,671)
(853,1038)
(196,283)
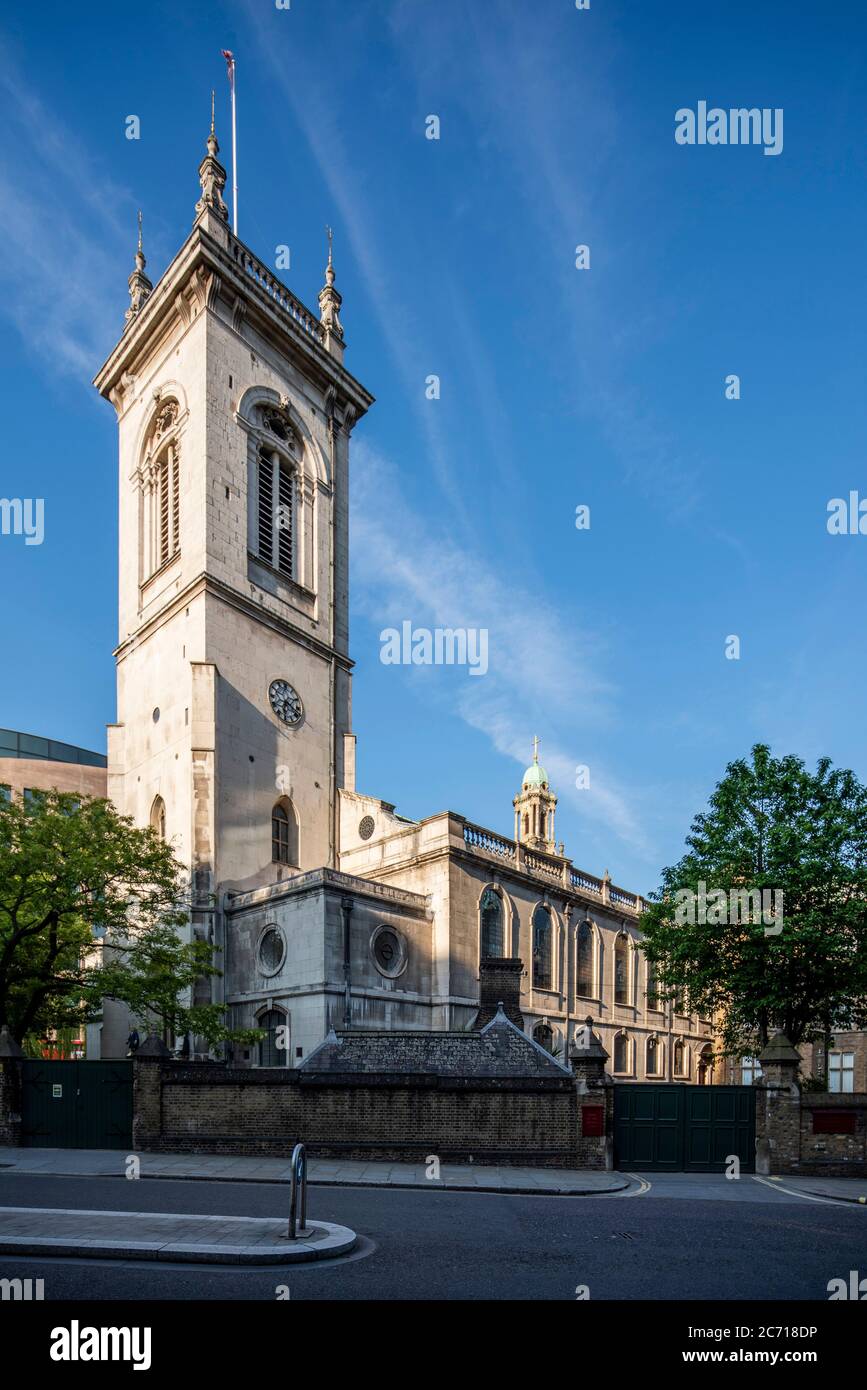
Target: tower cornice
(214,265)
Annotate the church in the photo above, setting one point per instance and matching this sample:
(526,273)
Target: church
(234,737)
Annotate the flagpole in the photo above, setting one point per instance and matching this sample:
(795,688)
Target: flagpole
(234,160)
(230,68)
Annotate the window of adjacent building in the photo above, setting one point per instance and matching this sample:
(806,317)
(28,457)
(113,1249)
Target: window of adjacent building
(33,797)
(276,519)
(621,969)
(491,912)
(271,1052)
(621,1053)
(584,961)
(543,951)
(284,834)
(841,1071)
(751,1070)
(5,793)
(653,1057)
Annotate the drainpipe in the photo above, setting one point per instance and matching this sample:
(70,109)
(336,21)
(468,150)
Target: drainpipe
(346,909)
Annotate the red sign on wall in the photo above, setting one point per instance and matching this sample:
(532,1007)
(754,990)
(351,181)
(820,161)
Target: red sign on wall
(592,1117)
(833,1121)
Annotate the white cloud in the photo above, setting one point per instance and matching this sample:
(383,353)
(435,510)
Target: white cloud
(538,659)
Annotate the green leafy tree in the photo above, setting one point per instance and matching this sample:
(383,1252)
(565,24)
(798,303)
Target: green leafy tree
(771,825)
(90,908)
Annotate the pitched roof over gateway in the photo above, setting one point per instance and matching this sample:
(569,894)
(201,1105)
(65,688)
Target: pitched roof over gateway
(497,1050)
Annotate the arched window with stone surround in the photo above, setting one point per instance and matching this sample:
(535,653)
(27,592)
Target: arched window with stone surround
(681,1058)
(543,1034)
(274,1047)
(585,984)
(653,1056)
(277,468)
(284,833)
(161,489)
(652,992)
(621,969)
(543,948)
(621,1053)
(491,941)
(158,817)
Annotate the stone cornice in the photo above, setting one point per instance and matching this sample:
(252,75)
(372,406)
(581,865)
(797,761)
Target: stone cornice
(212,265)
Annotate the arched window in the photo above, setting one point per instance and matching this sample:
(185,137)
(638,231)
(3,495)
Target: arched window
(681,1060)
(161,490)
(158,817)
(621,1052)
(653,1057)
(652,986)
(276,518)
(542,949)
(621,969)
(274,1047)
(284,834)
(544,1036)
(491,913)
(705,1065)
(584,985)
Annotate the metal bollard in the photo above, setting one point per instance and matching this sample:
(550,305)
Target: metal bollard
(299,1179)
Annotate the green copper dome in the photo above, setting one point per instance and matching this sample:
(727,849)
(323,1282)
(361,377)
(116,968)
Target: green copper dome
(535,775)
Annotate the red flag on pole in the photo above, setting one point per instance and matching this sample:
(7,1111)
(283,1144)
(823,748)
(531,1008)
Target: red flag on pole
(230,66)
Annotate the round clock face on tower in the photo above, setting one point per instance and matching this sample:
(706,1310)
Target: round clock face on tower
(285,702)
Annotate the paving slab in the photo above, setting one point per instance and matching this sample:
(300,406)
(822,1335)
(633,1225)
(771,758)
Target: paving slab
(455,1177)
(168,1236)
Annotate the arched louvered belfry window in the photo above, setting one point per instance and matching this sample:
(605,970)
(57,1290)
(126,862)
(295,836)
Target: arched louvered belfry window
(491,914)
(621,969)
(584,983)
(284,833)
(543,949)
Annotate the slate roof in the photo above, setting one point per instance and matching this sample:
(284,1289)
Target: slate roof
(499,1049)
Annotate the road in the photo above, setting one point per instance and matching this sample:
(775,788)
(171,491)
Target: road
(681,1237)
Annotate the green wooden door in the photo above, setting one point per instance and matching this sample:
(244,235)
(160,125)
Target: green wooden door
(683,1129)
(77,1105)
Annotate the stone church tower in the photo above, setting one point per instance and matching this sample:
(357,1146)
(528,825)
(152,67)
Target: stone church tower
(234,412)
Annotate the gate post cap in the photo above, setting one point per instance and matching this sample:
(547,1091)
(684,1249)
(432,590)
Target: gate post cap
(154,1048)
(779,1049)
(8,1045)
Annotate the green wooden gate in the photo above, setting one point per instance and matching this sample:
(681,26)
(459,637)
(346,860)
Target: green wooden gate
(683,1129)
(77,1105)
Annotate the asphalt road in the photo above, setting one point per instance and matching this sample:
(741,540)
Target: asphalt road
(686,1237)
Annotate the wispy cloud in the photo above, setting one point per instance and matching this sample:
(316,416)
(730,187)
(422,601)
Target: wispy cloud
(64,224)
(539,659)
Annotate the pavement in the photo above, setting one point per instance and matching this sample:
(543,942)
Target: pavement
(142,1235)
(454,1177)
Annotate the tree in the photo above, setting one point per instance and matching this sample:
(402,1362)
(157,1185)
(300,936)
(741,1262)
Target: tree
(712,930)
(90,908)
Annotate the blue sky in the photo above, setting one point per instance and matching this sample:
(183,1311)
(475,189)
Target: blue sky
(559,387)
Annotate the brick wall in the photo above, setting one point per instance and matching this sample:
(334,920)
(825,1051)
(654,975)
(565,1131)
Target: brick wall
(210,1108)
